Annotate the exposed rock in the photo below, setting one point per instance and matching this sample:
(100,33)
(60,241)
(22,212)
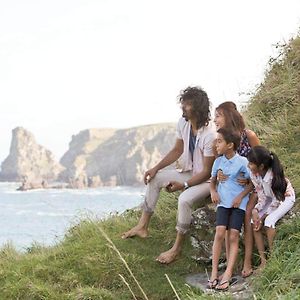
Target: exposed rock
(28,161)
(116,157)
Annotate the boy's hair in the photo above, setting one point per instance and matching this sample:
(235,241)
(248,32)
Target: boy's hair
(230,136)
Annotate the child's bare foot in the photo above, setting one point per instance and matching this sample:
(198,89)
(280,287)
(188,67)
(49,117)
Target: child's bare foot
(247,271)
(260,268)
(168,256)
(135,231)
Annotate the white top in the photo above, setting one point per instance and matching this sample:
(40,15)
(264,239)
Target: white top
(203,147)
(263,187)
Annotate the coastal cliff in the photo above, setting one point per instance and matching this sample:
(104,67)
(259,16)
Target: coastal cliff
(28,160)
(116,157)
(96,157)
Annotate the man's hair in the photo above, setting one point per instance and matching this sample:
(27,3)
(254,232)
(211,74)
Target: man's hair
(232,117)
(200,103)
(230,136)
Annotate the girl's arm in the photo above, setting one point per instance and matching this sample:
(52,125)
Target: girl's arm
(238,199)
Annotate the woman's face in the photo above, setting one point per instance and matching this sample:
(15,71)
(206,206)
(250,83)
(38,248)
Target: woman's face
(219,119)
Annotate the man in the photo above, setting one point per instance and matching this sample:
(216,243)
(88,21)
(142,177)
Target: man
(195,137)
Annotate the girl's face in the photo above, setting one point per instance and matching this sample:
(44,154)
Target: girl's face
(219,119)
(255,169)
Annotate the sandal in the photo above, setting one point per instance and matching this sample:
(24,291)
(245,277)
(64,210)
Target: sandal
(211,285)
(219,289)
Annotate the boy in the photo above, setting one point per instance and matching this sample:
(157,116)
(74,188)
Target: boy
(231,199)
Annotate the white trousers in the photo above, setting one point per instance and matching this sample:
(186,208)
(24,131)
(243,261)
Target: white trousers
(193,195)
(278,213)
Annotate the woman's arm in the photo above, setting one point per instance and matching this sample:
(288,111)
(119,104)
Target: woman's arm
(252,138)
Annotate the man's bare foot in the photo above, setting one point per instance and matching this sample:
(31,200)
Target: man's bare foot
(135,231)
(168,256)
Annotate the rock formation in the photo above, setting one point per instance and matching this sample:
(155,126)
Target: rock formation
(28,162)
(116,157)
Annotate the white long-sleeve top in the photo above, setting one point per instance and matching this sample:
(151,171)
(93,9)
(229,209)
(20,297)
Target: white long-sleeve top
(263,187)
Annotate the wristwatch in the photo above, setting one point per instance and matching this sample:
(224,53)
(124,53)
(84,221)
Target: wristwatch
(186,185)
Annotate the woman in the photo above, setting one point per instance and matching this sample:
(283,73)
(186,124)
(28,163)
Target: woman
(227,115)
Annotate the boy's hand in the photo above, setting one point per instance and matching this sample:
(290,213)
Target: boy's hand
(215,197)
(237,202)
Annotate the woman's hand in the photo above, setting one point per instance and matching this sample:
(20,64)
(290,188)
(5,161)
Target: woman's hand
(221,177)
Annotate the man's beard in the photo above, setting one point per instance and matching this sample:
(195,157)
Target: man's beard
(185,116)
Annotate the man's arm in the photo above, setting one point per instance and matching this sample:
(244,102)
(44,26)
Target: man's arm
(171,157)
(197,178)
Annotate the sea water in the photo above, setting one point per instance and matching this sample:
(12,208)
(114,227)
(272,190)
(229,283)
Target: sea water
(43,216)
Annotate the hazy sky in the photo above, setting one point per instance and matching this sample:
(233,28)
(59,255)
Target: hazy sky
(69,65)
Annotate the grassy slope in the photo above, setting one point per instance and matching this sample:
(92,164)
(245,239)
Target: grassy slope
(274,113)
(86,266)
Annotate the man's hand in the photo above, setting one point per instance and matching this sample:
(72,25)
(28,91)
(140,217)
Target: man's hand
(237,202)
(149,175)
(215,197)
(221,176)
(174,186)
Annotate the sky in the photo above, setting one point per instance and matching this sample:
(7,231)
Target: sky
(70,65)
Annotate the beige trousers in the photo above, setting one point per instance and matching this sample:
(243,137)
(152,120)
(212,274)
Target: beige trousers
(193,195)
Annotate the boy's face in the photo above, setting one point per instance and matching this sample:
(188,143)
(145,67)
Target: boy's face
(221,145)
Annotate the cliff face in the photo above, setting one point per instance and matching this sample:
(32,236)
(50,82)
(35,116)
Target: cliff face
(116,157)
(28,159)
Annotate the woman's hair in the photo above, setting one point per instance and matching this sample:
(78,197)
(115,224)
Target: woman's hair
(233,118)
(259,155)
(200,103)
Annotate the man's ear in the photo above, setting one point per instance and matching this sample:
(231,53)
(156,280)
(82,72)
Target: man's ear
(231,145)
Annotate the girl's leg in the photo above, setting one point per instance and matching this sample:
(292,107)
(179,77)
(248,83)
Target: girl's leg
(248,236)
(271,232)
(216,251)
(259,241)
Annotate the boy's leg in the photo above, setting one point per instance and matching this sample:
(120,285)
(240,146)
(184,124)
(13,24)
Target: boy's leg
(216,250)
(236,220)
(233,236)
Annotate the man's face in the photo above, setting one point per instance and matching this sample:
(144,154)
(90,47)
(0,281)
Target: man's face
(187,109)
(221,145)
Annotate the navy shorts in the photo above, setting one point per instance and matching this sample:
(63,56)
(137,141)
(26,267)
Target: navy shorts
(230,217)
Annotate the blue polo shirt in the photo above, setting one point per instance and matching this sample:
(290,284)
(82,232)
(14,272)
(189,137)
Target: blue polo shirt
(234,168)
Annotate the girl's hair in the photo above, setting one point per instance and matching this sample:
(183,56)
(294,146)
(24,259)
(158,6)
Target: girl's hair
(259,155)
(233,119)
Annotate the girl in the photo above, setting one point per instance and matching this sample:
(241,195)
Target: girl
(275,193)
(227,116)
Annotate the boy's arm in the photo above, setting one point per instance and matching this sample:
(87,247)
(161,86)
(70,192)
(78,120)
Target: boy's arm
(238,199)
(213,190)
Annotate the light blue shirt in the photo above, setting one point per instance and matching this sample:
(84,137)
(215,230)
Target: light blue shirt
(234,168)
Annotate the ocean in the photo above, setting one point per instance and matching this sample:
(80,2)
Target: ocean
(43,216)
